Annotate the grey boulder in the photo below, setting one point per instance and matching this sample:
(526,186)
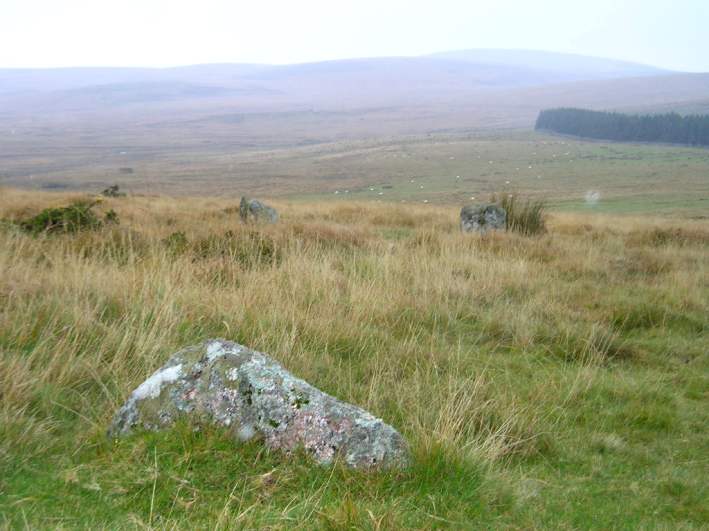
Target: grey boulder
(482,218)
(252,396)
(255,210)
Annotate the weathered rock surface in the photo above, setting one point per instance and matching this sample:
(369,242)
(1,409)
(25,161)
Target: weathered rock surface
(251,395)
(252,209)
(482,218)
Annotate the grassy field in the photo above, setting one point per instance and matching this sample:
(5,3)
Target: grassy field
(438,168)
(562,170)
(556,381)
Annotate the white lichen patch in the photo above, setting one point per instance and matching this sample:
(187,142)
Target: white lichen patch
(367,421)
(256,361)
(151,387)
(214,350)
(246,432)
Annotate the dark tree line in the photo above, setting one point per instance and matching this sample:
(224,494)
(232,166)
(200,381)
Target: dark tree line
(670,128)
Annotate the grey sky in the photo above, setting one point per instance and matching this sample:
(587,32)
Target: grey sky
(48,33)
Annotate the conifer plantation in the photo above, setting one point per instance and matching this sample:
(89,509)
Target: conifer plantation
(670,128)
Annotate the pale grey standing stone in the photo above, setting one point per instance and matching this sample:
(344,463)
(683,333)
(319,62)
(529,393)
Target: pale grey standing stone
(254,210)
(482,218)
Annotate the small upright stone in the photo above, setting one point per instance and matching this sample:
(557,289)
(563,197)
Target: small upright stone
(252,396)
(252,209)
(112,191)
(482,218)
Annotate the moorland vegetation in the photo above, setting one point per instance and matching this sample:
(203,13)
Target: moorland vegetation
(550,380)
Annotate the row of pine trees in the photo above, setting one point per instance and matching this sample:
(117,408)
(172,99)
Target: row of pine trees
(669,128)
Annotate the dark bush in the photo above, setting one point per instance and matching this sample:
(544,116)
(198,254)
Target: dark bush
(70,219)
(73,218)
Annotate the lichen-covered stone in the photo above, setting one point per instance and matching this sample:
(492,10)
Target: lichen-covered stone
(482,218)
(254,210)
(253,396)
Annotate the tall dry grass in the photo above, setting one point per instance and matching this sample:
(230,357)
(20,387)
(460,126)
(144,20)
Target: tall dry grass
(526,216)
(386,306)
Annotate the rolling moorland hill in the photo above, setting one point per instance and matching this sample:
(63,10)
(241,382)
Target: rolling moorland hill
(493,67)
(568,66)
(441,79)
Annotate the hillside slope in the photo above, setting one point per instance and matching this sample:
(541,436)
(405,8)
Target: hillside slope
(349,84)
(567,66)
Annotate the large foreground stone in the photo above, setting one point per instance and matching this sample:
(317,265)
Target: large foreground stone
(250,394)
(255,210)
(482,218)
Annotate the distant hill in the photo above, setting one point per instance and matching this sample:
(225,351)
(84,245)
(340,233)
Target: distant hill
(257,105)
(355,82)
(344,84)
(14,80)
(568,67)
(664,93)
(496,67)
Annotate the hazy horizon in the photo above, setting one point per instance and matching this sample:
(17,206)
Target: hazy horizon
(80,33)
(433,53)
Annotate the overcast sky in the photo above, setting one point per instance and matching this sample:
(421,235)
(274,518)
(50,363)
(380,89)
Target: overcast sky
(48,33)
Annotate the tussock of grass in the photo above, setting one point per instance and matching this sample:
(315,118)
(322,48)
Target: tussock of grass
(662,236)
(527,373)
(525,217)
(250,248)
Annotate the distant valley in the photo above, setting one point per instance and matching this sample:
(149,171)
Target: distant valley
(177,127)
